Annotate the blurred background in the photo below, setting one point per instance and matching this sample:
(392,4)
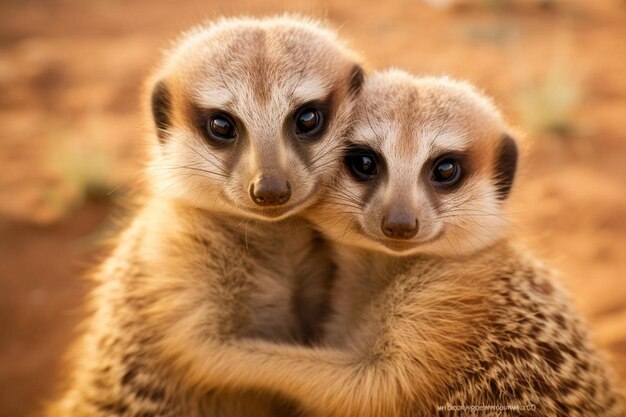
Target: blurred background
(72,140)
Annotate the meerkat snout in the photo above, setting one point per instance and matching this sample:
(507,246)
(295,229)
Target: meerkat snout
(270,189)
(399,224)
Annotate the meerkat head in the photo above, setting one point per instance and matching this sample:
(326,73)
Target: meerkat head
(249,115)
(428,166)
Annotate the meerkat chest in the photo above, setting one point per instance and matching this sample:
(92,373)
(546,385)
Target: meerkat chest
(273,286)
(270,312)
(352,300)
(365,291)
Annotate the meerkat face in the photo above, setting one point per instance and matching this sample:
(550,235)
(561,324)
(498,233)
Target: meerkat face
(428,166)
(250,115)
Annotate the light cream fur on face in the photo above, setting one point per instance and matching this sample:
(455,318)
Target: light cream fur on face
(409,121)
(260,72)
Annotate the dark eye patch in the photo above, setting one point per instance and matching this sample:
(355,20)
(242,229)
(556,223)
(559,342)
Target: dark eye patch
(363,163)
(221,129)
(310,120)
(301,141)
(448,171)
(363,166)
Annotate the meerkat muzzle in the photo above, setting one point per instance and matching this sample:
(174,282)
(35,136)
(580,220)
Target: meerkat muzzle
(270,190)
(399,225)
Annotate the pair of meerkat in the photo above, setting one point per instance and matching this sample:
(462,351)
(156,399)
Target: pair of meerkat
(204,309)
(465,323)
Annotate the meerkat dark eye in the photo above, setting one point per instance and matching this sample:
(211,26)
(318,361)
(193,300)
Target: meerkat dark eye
(362,164)
(221,128)
(447,171)
(309,122)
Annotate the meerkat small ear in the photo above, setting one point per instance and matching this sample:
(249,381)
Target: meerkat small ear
(357,76)
(161,109)
(505,166)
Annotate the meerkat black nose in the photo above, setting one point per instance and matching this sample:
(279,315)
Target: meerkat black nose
(400,226)
(270,190)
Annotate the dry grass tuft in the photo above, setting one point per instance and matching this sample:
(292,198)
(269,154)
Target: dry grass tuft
(84,171)
(548,103)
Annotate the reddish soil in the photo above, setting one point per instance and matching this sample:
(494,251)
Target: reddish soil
(72,72)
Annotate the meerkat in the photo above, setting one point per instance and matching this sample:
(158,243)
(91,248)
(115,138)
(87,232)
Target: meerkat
(249,114)
(436,310)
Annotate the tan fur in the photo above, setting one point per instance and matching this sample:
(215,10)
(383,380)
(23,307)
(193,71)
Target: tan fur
(410,121)
(200,260)
(488,327)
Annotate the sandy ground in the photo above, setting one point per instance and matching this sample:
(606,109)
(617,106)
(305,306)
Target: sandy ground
(70,79)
